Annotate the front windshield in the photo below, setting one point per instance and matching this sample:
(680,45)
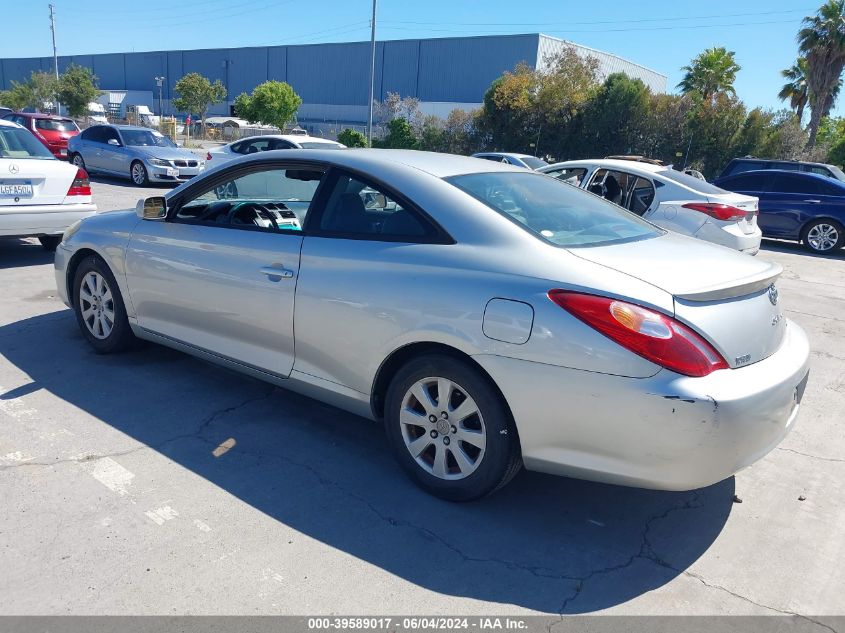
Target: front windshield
(145,138)
(555,211)
(16,142)
(533,162)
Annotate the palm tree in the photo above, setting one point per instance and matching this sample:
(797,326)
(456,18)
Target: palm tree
(796,89)
(710,73)
(822,42)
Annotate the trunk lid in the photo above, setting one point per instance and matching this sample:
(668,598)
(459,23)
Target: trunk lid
(33,181)
(749,204)
(726,296)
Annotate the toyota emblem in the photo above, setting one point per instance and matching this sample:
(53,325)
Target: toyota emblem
(13,168)
(773,295)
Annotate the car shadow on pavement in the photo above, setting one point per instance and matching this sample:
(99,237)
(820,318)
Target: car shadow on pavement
(17,252)
(551,544)
(796,248)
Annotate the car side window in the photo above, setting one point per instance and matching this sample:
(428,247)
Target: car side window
(109,134)
(94,134)
(271,200)
(611,185)
(571,175)
(750,182)
(278,143)
(254,146)
(355,208)
(808,186)
(745,165)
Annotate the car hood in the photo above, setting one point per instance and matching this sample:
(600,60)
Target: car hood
(165,153)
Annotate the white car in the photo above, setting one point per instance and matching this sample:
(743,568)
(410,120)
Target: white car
(40,196)
(255,144)
(670,199)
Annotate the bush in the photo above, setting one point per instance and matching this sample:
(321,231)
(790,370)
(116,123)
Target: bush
(352,138)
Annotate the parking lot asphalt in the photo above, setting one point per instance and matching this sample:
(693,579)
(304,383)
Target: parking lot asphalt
(155,483)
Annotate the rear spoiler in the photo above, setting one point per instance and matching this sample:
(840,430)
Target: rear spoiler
(736,288)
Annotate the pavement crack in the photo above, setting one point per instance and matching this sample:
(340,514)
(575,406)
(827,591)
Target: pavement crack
(819,457)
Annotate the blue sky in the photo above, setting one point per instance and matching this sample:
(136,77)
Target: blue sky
(663,35)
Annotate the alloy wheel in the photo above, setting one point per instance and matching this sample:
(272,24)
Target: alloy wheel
(78,161)
(96,305)
(442,428)
(139,174)
(823,237)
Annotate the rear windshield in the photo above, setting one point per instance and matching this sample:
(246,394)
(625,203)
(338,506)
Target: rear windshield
(533,162)
(696,184)
(553,210)
(16,142)
(56,125)
(145,138)
(311,145)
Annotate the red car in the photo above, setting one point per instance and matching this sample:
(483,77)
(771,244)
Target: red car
(53,131)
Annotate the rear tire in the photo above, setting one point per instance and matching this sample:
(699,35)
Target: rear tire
(468,453)
(139,175)
(78,161)
(823,236)
(99,308)
(50,242)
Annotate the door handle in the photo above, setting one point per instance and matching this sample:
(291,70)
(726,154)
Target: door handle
(813,201)
(275,274)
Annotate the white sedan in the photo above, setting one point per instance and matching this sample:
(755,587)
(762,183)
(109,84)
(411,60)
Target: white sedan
(39,195)
(670,199)
(255,144)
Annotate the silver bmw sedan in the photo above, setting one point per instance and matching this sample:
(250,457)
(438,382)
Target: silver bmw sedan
(490,316)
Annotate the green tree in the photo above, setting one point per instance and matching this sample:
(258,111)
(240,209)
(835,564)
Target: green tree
(400,135)
(710,73)
(352,138)
(77,88)
(197,94)
(795,90)
(614,120)
(821,41)
(714,126)
(272,103)
(34,93)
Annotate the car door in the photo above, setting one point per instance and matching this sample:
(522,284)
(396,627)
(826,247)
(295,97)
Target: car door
(793,200)
(755,184)
(90,147)
(368,256)
(114,157)
(220,273)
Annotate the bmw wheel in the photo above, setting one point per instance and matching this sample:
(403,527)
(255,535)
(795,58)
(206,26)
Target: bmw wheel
(139,174)
(450,430)
(823,236)
(78,161)
(99,307)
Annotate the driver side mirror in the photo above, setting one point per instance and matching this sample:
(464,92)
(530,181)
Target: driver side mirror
(114,141)
(153,208)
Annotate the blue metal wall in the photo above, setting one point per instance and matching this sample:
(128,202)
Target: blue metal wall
(454,70)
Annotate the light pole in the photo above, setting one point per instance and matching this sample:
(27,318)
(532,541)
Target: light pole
(55,55)
(159,83)
(372,76)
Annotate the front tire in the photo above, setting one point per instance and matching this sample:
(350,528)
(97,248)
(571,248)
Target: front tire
(50,242)
(449,429)
(99,308)
(823,236)
(139,175)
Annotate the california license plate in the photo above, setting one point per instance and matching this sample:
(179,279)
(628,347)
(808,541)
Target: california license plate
(62,152)
(172,172)
(15,190)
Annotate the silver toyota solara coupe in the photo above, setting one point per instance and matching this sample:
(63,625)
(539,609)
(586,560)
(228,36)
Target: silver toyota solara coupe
(490,316)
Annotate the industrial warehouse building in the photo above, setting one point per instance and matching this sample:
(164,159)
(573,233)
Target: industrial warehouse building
(333,79)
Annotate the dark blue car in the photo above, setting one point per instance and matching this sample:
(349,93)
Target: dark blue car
(795,206)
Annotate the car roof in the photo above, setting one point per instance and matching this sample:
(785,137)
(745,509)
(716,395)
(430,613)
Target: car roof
(778,160)
(624,165)
(784,172)
(368,159)
(5,123)
(294,138)
(511,154)
(44,115)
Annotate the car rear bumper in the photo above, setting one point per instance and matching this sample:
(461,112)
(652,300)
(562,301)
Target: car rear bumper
(42,220)
(667,432)
(732,236)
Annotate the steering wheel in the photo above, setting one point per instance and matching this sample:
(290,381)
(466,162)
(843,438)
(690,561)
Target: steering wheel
(255,207)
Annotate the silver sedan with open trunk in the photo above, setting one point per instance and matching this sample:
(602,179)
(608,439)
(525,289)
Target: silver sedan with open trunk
(488,315)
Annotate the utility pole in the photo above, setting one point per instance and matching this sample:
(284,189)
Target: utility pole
(55,56)
(372,76)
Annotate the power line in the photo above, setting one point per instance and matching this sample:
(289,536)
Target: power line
(621,21)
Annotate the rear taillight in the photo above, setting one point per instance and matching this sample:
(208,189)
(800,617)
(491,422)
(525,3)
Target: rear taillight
(723,212)
(80,186)
(208,156)
(654,336)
